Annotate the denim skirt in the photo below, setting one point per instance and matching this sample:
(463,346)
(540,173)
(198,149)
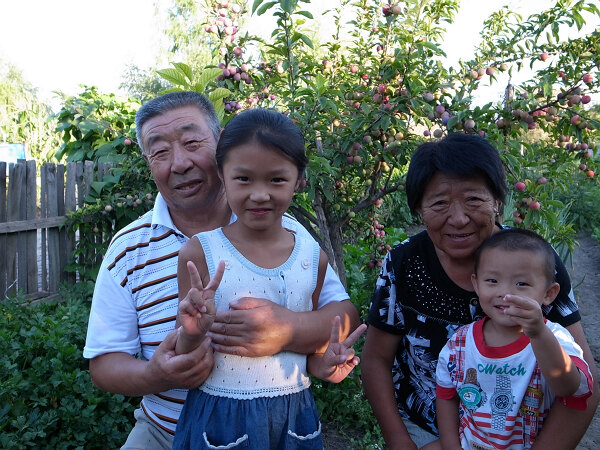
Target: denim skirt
(283,422)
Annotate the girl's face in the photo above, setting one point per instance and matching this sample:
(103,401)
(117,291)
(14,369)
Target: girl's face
(259,183)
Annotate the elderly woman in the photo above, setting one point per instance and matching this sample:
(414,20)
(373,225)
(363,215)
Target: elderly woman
(424,293)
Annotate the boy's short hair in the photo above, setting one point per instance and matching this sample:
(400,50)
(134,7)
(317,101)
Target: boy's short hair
(514,239)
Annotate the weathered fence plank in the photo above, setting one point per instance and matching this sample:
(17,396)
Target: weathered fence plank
(3,237)
(15,174)
(53,237)
(44,215)
(31,266)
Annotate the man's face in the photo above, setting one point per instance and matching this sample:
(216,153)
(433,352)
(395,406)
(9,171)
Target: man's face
(180,149)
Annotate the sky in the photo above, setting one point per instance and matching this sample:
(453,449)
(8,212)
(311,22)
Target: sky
(61,44)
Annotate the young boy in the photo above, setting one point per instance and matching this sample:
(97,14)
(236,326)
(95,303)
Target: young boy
(497,377)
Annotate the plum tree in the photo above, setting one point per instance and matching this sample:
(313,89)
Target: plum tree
(385,86)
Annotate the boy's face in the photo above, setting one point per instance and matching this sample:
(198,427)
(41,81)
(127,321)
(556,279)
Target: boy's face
(503,272)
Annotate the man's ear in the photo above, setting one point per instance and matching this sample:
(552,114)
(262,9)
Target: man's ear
(551,293)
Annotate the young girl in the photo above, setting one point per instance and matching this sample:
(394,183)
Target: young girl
(261,402)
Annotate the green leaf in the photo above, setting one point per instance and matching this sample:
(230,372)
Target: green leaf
(218,94)
(595,124)
(173,75)
(547,89)
(97,187)
(287,6)
(453,121)
(265,7)
(320,82)
(220,109)
(255,5)
(307,40)
(205,77)
(87,125)
(305,14)
(185,69)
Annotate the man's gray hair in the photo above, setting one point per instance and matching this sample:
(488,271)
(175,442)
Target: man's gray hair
(173,100)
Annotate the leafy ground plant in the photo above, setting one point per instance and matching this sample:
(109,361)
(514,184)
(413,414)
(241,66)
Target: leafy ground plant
(47,398)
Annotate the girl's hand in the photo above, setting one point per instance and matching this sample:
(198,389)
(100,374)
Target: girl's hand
(197,310)
(339,358)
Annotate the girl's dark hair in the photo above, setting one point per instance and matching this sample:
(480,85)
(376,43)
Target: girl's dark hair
(518,239)
(269,128)
(460,155)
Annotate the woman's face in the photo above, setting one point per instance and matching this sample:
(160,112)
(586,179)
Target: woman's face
(459,214)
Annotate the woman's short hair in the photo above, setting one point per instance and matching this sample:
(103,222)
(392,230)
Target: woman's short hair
(270,129)
(459,155)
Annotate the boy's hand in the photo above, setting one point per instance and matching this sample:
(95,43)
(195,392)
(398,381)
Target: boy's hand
(339,358)
(526,312)
(197,310)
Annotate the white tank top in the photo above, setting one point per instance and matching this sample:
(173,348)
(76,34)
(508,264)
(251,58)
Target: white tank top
(290,285)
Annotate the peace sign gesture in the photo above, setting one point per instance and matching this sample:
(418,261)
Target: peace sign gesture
(196,311)
(339,358)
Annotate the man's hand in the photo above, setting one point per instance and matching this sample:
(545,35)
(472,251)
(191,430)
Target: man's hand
(252,327)
(526,312)
(188,370)
(339,358)
(122,373)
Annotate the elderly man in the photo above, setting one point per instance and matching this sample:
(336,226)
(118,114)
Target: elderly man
(135,299)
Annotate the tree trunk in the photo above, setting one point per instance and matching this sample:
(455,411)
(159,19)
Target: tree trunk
(331,239)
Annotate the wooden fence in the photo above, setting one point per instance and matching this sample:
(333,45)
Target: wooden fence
(34,246)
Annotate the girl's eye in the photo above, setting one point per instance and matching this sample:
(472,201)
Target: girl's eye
(278,180)
(522,283)
(491,281)
(242,179)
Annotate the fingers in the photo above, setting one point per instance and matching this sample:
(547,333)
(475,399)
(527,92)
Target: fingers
(168,343)
(193,307)
(335,330)
(203,348)
(521,302)
(353,337)
(232,350)
(217,277)
(347,356)
(249,303)
(195,280)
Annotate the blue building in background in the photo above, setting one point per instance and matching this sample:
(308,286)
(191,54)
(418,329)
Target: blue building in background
(11,152)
